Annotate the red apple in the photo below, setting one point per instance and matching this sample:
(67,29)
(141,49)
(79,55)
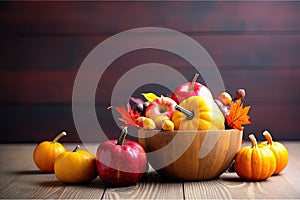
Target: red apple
(121,162)
(189,89)
(162,106)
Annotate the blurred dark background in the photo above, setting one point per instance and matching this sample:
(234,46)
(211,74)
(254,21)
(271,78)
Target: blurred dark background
(255,44)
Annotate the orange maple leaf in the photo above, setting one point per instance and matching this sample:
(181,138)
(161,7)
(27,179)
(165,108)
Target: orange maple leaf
(238,115)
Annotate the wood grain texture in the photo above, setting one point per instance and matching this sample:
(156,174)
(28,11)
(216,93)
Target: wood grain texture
(229,52)
(56,87)
(34,123)
(146,191)
(255,45)
(77,18)
(230,186)
(20,179)
(193,153)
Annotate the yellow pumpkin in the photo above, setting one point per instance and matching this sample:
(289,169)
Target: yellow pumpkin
(77,166)
(279,151)
(206,115)
(255,163)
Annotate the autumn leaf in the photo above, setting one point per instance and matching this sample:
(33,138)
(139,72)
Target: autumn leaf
(137,100)
(238,115)
(150,96)
(127,116)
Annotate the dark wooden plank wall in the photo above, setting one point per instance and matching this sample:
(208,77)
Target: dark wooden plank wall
(255,45)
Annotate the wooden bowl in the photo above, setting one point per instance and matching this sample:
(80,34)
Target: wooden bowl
(190,155)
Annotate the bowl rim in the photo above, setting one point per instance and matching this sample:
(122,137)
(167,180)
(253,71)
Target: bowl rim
(151,133)
(173,131)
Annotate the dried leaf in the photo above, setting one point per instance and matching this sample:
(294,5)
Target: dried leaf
(127,116)
(238,115)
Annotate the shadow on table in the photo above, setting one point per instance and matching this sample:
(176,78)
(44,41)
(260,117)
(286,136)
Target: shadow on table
(154,177)
(53,181)
(28,172)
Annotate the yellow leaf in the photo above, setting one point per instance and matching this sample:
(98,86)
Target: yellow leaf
(150,96)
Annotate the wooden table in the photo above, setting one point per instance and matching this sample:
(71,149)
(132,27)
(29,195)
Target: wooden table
(21,179)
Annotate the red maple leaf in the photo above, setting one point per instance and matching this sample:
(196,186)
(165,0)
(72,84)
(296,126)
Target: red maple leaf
(127,116)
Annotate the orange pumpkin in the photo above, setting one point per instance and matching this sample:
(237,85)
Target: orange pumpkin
(255,163)
(77,166)
(203,114)
(46,152)
(279,151)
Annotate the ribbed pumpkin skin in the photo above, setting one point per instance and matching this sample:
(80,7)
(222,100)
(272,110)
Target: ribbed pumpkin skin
(255,163)
(207,115)
(279,151)
(75,167)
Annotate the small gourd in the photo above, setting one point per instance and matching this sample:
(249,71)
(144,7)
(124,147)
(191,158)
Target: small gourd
(168,125)
(279,151)
(198,113)
(77,166)
(46,152)
(255,163)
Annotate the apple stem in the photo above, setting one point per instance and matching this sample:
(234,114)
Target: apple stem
(191,87)
(60,135)
(122,137)
(189,114)
(76,148)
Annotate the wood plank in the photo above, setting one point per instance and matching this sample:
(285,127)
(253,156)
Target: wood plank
(231,52)
(24,186)
(272,118)
(206,190)
(36,123)
(291,173)
(26,181)
(77,18)
(152,186)
(146,191)
(92,190)
(230,186)
(56,87)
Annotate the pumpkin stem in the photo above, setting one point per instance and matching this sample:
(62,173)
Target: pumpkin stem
(253,140)
(76,148)
(122,137)
(268,137)
(191,87)
(189,114)
(60,135)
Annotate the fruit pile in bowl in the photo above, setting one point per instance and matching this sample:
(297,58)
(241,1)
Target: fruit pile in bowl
(189,135)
